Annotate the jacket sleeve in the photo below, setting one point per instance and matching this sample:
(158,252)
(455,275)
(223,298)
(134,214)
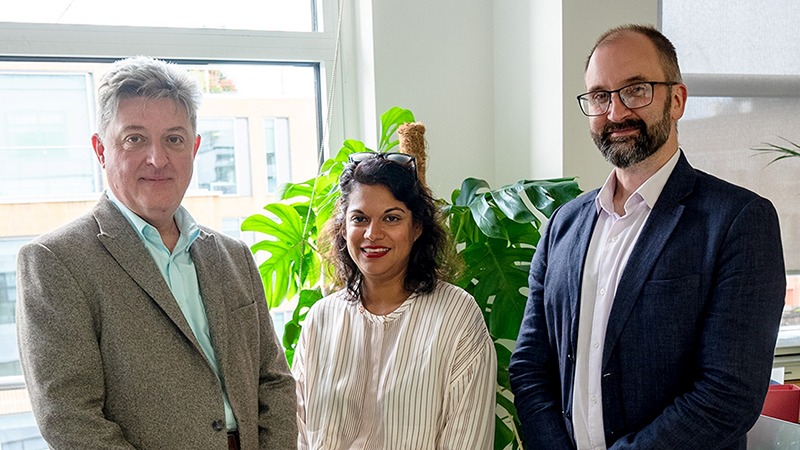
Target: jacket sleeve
(534,367)
(737,342)
(277,427)
(60,355)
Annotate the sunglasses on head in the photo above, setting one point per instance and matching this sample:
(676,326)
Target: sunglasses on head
(400,158)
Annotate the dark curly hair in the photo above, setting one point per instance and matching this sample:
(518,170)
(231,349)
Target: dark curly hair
(428,254)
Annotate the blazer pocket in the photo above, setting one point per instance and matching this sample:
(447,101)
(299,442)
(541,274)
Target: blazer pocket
(245,321)
(687,285)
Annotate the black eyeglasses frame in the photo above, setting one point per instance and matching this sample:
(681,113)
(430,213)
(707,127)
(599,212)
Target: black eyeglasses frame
(652,84)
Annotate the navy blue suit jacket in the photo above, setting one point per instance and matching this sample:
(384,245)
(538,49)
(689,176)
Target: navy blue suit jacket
(691,334)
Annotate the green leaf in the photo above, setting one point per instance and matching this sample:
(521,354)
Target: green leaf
(503,436)
(784,152)
(509,201)
(547,195)
(285,245)
(469,191)
(390,122)
(306,300)
(354,146)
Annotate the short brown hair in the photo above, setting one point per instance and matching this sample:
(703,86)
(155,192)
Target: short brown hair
(666,51)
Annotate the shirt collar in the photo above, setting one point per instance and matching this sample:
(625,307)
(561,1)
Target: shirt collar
(186,224)
(648,192)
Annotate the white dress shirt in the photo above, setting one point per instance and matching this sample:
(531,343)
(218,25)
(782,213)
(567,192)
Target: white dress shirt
(421,377)
(612,241)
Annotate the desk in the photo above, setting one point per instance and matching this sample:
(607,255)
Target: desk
(773,434)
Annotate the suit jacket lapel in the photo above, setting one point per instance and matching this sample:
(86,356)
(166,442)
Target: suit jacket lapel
(205,255)
(585,223)
(125,246)
(657,230)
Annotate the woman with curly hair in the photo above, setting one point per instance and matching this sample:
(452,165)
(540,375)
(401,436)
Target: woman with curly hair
(399,358)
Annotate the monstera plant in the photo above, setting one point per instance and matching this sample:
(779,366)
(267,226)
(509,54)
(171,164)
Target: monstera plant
(495,233)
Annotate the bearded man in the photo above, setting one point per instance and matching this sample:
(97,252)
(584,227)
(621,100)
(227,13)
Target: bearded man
(654,301)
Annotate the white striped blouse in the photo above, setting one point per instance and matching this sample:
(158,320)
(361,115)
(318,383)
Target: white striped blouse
(422,377)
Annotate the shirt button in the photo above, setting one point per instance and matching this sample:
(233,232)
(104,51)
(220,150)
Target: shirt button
(596,344)
(602,292)
(594,399)
(614,239)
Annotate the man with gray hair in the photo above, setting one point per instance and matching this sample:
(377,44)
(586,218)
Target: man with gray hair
(139,328)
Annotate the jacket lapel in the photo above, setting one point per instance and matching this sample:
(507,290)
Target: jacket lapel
(585,223)
(205,255)
(124,245)
(657,230)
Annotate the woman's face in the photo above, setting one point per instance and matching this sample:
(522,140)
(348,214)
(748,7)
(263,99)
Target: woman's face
(380,232)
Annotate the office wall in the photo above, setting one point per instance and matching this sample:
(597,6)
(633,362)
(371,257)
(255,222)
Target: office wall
(495,82)
(436,59)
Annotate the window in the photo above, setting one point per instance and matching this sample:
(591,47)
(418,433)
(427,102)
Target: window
(9,358)
(276,150)
(744,88)
(232,14)
(49,71)
(222,161)
(232,226)
(44,120)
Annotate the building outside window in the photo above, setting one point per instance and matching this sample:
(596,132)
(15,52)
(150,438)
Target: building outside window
(44,120)
(222,163)
(276,151)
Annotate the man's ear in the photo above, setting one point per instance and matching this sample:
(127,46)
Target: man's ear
(99,150)
(679,95)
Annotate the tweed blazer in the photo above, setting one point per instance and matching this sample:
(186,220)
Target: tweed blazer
(111,362)
(691,333)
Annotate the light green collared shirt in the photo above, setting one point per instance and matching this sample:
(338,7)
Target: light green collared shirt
(179,272)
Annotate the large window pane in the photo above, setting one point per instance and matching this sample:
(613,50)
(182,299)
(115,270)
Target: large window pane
(9,357)
(215,163)
(277,153)
(718,135)
(741,60)
(47,163)
(734,36)
(269,15)
(44,121)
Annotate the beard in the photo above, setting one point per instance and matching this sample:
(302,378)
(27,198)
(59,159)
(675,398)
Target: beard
(627,151)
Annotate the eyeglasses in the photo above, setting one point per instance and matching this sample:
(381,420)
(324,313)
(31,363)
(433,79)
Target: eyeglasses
(633,96)
(400,158)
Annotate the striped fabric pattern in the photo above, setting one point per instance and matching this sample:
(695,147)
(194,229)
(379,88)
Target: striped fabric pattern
(421,377)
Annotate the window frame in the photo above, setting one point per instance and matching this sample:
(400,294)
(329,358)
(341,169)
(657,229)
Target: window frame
(60,42)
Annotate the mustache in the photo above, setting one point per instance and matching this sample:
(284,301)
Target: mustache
(630,123)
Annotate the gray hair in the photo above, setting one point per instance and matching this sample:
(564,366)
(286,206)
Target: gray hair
(146,77)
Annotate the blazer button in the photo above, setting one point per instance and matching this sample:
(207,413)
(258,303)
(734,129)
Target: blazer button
(218,425)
